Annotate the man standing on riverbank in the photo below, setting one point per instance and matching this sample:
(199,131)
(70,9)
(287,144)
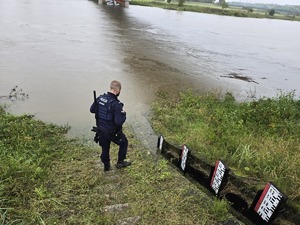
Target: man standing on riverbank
(110,118)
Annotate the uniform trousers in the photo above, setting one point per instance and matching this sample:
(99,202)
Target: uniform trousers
(105,140)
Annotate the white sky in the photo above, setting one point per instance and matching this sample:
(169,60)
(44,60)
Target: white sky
(279,2)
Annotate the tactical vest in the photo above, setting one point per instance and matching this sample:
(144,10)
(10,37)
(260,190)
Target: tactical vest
(105,107)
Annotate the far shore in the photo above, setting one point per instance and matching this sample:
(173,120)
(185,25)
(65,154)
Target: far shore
(210,8)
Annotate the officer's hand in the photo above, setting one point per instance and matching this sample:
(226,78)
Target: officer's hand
(123,111)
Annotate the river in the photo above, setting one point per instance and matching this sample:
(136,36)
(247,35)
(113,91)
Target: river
(59,51)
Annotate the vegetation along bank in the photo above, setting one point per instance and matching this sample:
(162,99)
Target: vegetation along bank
(47,178)
(258,139)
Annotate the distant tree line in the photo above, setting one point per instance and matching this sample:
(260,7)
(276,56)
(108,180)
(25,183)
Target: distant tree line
(269,8)
(202,1)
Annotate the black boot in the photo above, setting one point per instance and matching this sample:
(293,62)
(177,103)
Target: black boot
(122,164)
(106,167)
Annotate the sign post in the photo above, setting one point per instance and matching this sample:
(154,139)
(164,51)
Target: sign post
(219,177)
(183,157)
(267,204)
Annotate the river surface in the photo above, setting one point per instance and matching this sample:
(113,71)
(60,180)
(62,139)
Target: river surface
(59,51)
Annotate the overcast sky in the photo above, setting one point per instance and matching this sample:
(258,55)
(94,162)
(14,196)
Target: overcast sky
(279,2)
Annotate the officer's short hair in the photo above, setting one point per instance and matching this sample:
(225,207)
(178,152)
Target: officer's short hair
(115,85)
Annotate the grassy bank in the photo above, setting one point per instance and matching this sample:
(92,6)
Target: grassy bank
(258,139)
(211,9)
(46,178)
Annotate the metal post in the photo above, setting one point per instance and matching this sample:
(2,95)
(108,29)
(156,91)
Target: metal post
(126,3)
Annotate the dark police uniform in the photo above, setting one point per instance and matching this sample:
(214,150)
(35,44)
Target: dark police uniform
(109,124)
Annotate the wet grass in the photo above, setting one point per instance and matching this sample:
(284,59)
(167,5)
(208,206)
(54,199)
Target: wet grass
(211,9)
(47,178)
(256,139)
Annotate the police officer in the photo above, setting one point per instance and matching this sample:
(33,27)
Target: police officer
(109,123)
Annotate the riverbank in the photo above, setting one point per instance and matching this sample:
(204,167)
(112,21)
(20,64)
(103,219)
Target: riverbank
(213,9)
(47,178)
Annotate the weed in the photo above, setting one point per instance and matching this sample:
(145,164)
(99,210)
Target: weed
(15,94)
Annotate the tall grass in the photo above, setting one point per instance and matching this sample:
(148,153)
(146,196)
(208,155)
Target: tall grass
(27,149)
(259,138)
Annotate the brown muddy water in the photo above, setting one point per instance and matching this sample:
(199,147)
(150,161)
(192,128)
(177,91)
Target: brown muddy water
(59,51)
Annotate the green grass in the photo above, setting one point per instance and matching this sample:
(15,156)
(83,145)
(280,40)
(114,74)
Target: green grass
(47,178)
(256,139)
(211,9)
